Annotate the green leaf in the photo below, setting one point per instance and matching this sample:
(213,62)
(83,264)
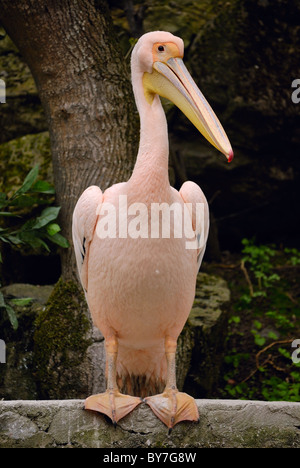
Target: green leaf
(53,229)
(28,182)
(235,319)
(27,226)
(42,186)
(10,311)
(295,261)
(34,239)
(246,298)
(285,353)
(257,324)
(14,239)
(259,340)
(59,240)
(10,238)
(25,200)
(7,213)
(47,215)
(43,244)
(259,293)
(272,335)
(24,301)
(12,316)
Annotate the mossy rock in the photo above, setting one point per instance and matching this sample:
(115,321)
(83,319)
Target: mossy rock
(55,352)
(22,113)
(202,343)
(17,158)
(13,69)
(17,376)
(61,342)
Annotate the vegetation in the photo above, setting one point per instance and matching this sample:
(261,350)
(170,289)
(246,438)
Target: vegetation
(38,229)
(33,226)
(263,324)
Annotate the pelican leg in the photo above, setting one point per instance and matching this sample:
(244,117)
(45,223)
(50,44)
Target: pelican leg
(112,403)
(172,406)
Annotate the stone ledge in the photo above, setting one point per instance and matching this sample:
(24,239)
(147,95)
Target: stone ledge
(223,423)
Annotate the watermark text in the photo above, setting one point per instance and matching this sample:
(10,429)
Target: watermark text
(296,353)
(159,220)
(2,352)
(2,92)
(296,93)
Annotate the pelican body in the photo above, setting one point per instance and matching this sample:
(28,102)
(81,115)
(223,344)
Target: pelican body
(140,287)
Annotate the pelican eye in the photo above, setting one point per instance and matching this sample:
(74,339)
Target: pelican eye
(160,48)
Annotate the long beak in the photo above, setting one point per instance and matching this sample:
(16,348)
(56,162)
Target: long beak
(173,81)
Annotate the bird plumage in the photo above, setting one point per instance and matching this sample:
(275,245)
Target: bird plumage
(139,287)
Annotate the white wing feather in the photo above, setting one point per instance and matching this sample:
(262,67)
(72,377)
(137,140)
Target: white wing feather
(192,195)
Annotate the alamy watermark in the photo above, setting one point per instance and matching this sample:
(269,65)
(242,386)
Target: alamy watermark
(296,93)
(2,92)
(159,220)
(2,352)
(296,354)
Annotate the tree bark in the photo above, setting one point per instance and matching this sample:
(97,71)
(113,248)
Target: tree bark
(84,86)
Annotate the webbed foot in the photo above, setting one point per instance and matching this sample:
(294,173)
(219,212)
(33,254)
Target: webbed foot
(112,403)
(173,406)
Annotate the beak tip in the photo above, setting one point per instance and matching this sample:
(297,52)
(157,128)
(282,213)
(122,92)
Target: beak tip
(230,156)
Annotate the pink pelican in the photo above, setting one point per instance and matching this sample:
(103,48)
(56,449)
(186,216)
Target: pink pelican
(140,288)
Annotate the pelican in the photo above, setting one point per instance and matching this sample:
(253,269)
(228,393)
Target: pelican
(140,288)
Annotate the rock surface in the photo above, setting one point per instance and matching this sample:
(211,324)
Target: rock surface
(22,114)
(204,335)
(223,424)
(40,351)
(17,376)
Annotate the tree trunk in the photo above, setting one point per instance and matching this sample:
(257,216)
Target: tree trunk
(84,86)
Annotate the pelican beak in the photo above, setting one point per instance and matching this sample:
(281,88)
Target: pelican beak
(172,80)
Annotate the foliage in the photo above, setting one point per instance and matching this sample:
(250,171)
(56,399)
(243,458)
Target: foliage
(259,259)
(263,323)
(9,310)
(36,230)
(39,227)
(294,256)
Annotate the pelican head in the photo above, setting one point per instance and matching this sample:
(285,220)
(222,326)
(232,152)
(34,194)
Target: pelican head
(158,57)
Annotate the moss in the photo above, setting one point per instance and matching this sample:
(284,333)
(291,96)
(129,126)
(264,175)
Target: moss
(18,156)
(265,437)
(60,342)
(14,70)
(22,114)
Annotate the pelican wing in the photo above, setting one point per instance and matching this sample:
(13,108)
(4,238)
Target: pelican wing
(84,222)
(195,199)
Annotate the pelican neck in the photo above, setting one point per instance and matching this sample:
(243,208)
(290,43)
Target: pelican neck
(153,154)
